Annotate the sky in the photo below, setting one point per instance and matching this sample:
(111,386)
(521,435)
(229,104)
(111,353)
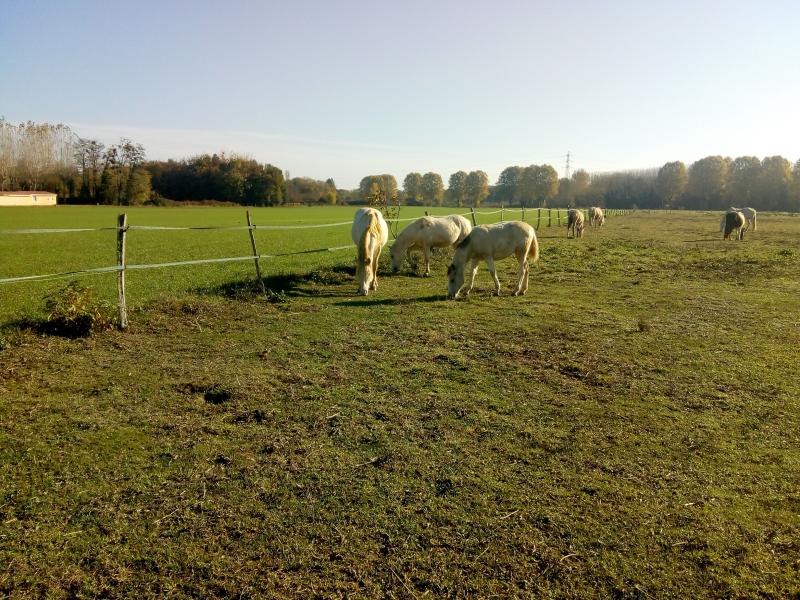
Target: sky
(344,88)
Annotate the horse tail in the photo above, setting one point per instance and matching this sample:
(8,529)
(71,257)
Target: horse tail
(374,229)
(533,251)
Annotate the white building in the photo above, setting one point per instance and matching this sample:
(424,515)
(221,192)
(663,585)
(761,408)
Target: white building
(27,199)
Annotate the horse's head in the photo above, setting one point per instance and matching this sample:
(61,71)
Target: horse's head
(364,275)
(455,280)
(397,255)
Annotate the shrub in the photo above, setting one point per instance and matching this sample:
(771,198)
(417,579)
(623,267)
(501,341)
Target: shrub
(74,312)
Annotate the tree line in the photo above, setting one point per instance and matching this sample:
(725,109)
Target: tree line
(46,157)
(711,183)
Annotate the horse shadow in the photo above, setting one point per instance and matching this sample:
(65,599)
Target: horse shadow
(366,302)
(315,283)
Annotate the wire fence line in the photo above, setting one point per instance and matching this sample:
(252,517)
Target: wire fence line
(213,227)
(116,268)
(255,227)
(123,228)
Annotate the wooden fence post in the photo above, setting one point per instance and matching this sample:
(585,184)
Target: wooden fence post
(549,217)
(502,213)
(122,229)
(538,218)
(523,213)
(558,216)
(474,222)
(255,254)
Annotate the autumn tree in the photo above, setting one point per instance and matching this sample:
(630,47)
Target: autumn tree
(432,188)
(138,189)
(671,183)
(508,185)
(412,187)
(795,203)
(580,183)
(707,183)
(384,184)
(776,182)
(744,178)
(476,187)
(457,188)
(538,185)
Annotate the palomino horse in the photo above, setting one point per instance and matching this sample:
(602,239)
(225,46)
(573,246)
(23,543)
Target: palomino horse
(596,216)
(734,223)
(427,233)
(575,222)
(370,234)
(490,243)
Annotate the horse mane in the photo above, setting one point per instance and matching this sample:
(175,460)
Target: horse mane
(465,242)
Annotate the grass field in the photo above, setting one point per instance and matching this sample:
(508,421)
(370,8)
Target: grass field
(34,254)
(629,429)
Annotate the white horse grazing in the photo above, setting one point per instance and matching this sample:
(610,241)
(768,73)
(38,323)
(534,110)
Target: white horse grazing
(735,222)
(429,232)
(749,216)
(490,243)
(596,216)
(575,221)
(370,234)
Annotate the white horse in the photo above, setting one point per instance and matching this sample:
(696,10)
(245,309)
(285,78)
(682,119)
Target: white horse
(370,234)
(735,223)
(596,216)
(575,221)
(427,233)
(749,216)
(490,243)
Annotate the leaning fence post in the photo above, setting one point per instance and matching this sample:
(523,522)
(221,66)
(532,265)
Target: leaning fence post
(122,229)
(250,228)
(474,222)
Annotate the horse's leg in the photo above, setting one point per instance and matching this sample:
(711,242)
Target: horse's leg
(493,270)
(473,270)
(426,250)
(525,279)
(376,257)
(522,265)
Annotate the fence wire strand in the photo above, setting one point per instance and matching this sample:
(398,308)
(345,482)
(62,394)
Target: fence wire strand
(201,261)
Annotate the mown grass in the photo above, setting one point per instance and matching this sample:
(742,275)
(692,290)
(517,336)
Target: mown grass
(629,429)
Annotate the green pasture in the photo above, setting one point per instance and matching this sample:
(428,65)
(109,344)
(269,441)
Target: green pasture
(34,254)
(628,429)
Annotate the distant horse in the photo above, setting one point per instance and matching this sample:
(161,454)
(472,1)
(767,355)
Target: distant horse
(490,243)
(749,216)
(596,216)
(427,233)
(575,221)
(370,234)
(734,223)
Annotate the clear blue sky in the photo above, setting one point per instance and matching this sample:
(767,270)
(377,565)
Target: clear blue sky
(343,88)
